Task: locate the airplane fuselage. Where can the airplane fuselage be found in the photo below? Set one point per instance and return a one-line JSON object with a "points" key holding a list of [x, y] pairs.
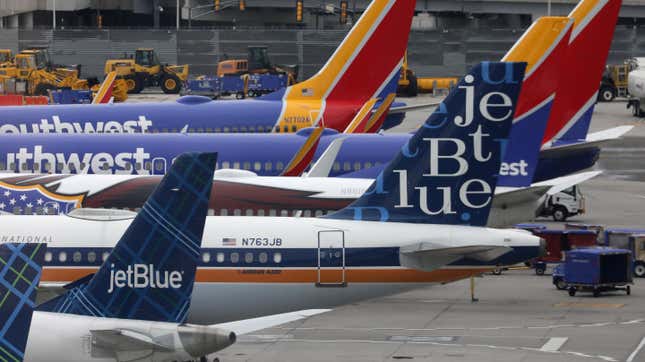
{"points": [[253, 266]]}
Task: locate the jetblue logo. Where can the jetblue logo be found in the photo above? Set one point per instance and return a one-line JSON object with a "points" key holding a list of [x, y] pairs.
{"points": [[56, 125], [514, 168], [139, 276]]}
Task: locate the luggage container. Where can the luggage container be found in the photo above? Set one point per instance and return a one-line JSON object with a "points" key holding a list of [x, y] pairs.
{"points": [[560, 241], [637, 246], [598, 270]]}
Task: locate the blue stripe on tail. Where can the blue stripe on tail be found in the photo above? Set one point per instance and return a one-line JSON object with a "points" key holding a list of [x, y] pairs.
{"points": [[151, 271], [20, 271], [447, 172]]}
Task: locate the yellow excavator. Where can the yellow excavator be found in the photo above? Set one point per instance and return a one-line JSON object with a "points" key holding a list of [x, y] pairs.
{"points": [[145, 70]]}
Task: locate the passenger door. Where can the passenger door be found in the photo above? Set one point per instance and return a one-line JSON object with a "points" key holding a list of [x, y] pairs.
{"points": [[331, 258]]}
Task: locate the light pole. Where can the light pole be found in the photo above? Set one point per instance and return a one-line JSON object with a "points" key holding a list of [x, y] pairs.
{"points": [[54, 16], [178, 14]]}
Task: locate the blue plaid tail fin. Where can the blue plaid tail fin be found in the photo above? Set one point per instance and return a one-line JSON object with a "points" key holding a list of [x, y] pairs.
{"points": [[151, 271], [20, 271]]}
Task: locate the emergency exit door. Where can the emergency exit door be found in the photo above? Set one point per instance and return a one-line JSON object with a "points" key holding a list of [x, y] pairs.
{"points": [[331, 258]]}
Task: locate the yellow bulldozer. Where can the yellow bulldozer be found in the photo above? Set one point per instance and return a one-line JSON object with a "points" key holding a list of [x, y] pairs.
{"points": [[32, 73], [145, 70], [6, 57]]}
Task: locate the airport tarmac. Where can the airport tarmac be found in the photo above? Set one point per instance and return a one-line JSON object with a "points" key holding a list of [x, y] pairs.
{"points": [[519, 316]]}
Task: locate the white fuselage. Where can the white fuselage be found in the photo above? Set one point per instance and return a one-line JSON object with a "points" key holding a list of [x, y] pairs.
{"points": [[253, 266]]}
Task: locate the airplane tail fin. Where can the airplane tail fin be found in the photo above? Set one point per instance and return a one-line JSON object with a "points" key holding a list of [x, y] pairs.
{"points": [[365, 65], [104, 94], [149, 275], [302, 159], [543, 46], [593, 31], [447, 172], [20, 271]]}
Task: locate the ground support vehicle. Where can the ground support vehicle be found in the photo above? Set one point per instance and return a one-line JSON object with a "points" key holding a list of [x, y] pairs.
{"points": [[614, 81], [564, 204], [630, 239], [145, 70], [251, 85], [560, 241], [598, 270], [410, 84]]}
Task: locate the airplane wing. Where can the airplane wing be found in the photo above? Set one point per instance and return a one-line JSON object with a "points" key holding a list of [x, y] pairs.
{"points": [[428, 256], [562, 183], [124, 340], [415, 107], [595, 139], [255, 324]]}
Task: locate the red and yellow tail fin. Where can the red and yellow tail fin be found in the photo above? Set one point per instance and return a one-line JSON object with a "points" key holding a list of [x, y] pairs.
{"points": [[361, 67], [104, 94], [303, 157]]}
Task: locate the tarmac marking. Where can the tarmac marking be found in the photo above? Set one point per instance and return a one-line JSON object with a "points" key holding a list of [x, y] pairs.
{"points": [[554, 344], [589, 305], [638, 349]]}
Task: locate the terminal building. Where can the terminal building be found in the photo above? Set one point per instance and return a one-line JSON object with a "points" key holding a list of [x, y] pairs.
{"points": [[447, 36]]}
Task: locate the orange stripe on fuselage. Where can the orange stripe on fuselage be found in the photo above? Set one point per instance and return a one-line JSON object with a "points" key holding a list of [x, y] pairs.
{"points": [[217, 275]]}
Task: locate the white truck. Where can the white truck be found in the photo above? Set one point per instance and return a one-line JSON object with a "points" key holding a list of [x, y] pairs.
{"points": [[564, 204]]}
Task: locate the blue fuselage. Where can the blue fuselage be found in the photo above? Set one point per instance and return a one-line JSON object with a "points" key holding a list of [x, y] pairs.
{"points": [[264, 154]]}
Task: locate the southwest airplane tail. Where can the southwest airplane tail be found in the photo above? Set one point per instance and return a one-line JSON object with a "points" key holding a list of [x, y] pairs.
{"points": [[149, 275], [19, 277], [352, 77], [462, 143], [591, 36]]}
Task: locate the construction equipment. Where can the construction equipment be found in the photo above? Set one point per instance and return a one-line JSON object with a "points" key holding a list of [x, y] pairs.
{"points": [[32, 73], [6, 57], [258, 62], [145, 70], [410, 84]]}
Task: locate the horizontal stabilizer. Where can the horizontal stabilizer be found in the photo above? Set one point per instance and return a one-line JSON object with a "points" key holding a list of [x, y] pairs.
{"points": [[414, 107], [123, 340], [255, 324], [428, 256], [325, 162], [595, 139], [565, 182]]}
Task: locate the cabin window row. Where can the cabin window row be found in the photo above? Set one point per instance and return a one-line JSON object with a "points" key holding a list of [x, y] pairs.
{"points": [[241, 258], [77, 256], [54, 210], [236, 129]]}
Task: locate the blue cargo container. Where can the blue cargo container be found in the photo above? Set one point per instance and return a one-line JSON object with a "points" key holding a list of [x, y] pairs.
{"points": [[598, 270]]}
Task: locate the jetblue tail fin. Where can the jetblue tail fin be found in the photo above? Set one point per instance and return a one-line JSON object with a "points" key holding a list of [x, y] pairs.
{"points": [[543, 46], [20, 271], [149, 275], [593, 31], [447, 172], [365, 65]]}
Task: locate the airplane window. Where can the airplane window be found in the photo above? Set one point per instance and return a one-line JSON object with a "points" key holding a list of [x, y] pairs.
{"points": [[284, 212], [200, 130], [28, 211], [62, 256], [209, 130], [159, 166], [277, 258], [251, 129], [48, 257], [206, 257], [147, 165], [261, 129], [322, 254], [218, 130], [165, 130], [257, 166], [285, 129], [279, 166], [137, 166], [235, 257], [261, 212], [105, 256], [105, 166], [272, 212], [248, 258], [268, 166], [223, 212], [191, 130], [247, 165], [294, 128], [2, 165], [307, 213], [357, 166], [25, 167], [243, 129], [277, 129], [17, 210], [347, 166], [82, 165], [263, 257], [47, 166], [234, 130], [336, 166], [318, 213], [249, 212], [226, 164], [368, 164], [226, 130], [211, 212], [236, 165], [76, 257], [36, 166], [91, 257], [237, 212], [60, 166], [220, 257], [127, 166]]}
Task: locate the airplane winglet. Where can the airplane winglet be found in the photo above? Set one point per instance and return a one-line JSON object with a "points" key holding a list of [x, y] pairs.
{"points": [[303, 157], [104, 94], [361, 116], [323, 166]]}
